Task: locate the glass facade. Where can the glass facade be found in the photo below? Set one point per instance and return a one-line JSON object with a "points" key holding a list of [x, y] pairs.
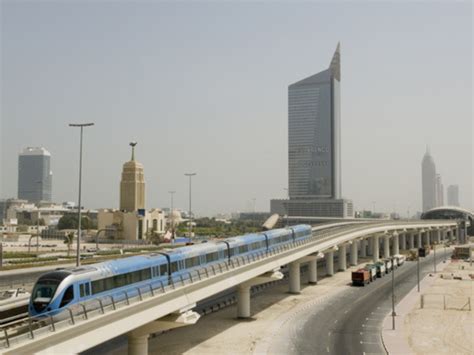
{"points": [[314, 135], [34, 175]]}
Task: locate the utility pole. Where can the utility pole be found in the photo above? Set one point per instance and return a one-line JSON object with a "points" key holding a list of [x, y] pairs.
{"points": [[190, 175], [171, 214], [78, 250], [393, 293], [418, 270]]}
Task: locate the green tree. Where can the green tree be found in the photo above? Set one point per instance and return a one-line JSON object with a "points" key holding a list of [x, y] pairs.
{"points": [[69, 221]]}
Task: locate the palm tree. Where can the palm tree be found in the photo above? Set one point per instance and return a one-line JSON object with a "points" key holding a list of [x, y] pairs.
{"points": [[68, 240]]}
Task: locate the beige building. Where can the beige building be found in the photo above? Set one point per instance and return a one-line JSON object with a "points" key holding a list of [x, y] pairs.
{"points": [[132, 221], [132, 185], [131, 225]]}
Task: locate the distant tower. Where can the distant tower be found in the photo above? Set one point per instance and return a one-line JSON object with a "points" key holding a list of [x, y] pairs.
{"points": [[453, 195], [34, 175], [439, 191], [428, 181], [132, 185], [314, 143]]}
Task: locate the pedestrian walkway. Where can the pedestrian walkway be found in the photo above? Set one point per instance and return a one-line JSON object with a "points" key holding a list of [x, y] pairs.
{"points": [[444, 324]]}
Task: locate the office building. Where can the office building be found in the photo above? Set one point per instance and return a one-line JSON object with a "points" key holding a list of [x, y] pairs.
{"points": [[428, 182], [439, 191], [453, 195], [314, 147], [34, 175]]}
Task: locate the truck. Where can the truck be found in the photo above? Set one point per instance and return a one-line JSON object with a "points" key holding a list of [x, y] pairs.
{"points": [[388, 265], [412, 254], [380, 268], [372, 269], [400, 259], [360, 277], [424, 251]]}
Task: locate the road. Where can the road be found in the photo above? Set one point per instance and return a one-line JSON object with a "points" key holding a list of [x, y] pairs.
{"points": [[350, 323]]}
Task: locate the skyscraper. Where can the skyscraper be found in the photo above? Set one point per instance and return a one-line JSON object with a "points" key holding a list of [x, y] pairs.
{"points": [[453, 195], [132, 185], [439, 191], [428, 182], [314, 147], [34, 175]]}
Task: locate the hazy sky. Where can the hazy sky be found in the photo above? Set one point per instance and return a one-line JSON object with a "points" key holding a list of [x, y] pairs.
{"points": [[203, 87]]}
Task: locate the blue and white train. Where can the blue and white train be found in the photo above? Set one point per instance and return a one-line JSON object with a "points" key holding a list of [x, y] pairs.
{"points": [[62, 288]]}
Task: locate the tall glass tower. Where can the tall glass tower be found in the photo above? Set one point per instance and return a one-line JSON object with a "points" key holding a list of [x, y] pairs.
{"points": [[428, 182], [314, 147], [35, 178]]}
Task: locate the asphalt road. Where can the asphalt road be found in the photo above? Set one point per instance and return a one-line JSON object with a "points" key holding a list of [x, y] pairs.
{"points": [[351, 322]]}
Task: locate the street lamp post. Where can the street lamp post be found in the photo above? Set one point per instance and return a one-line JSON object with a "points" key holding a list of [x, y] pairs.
{"points": [[37, 231], [78, 251], [171, 214], [190, 175], [418, 270], [287, 204], [393, 294]]}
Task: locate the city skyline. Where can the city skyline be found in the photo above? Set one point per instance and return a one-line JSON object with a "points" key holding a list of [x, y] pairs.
{"points": [[138, 91]]}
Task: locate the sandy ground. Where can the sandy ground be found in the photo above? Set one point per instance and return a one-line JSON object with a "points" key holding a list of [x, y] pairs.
{"points": [[444, 325]]}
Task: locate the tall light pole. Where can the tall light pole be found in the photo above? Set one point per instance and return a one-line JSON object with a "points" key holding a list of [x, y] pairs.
{"points": [[418, 270], [393, 293], [78, 251], [287, 204], [190, 175], [171, 214]]}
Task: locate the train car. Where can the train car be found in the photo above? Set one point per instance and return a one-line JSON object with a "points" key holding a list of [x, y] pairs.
{"points": [[63, 288]]}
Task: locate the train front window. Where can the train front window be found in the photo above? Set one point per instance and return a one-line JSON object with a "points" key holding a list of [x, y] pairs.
{"points": [[44, 290]]}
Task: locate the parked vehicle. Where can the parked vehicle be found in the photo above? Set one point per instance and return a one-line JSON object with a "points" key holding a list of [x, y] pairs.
{"points": [[388, 265], [412, 254], [380, 265], [425, 251], [400, 259], [372, 269], [360, 277]]}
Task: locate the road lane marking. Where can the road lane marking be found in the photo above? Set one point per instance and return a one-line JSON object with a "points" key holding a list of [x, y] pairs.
{"points": [[327, 348]]}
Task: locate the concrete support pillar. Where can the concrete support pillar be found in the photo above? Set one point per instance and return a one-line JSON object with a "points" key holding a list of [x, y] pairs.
{"points": [[386, 246], [342, 257], [243, 301], [329, 257], [396, 248], [403, 241], [354, 253], [411, 240], [295, 283], [418, 240], [137, 345], [243, 290], [375, 248], [438, 236], [363, 248], [313, 272], [370, 245]]}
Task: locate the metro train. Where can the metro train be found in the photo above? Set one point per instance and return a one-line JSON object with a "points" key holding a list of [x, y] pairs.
{"points": [[56, 290]]}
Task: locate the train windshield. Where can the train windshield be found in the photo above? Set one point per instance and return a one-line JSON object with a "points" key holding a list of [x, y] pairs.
{"points": [[44, 290]]}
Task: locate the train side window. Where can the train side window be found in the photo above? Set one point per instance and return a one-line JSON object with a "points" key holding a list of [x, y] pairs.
{"points": [[174, 267], [68, 296], [82, 290], [163, 269], [88, 291]]}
